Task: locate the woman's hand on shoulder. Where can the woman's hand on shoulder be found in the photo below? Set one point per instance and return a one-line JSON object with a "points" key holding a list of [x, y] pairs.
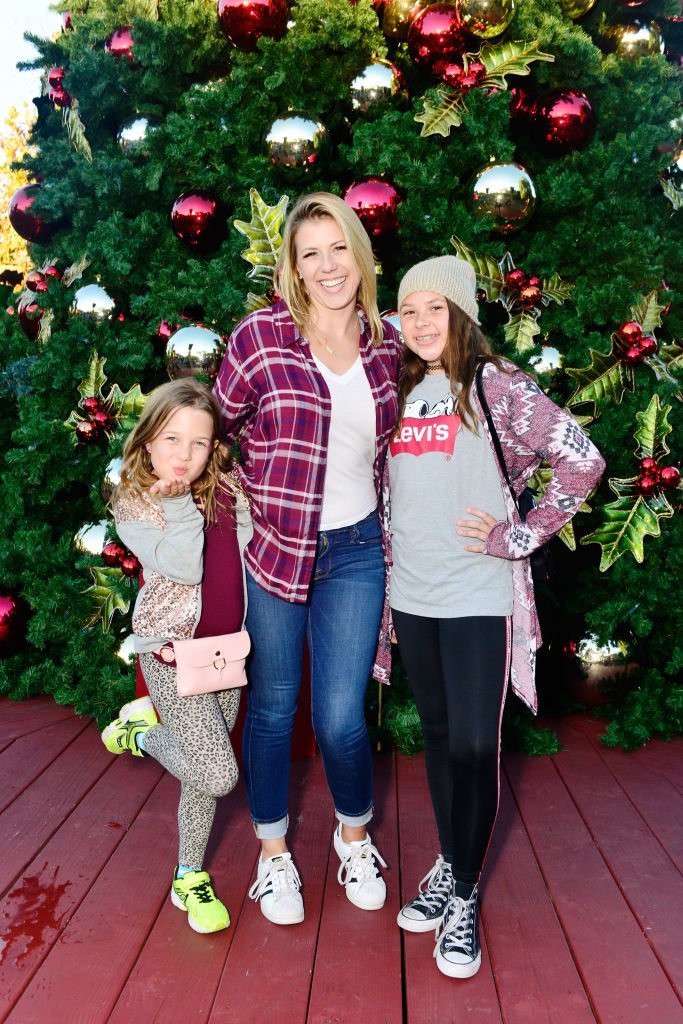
{"points": [[478, 528], [169, 488]]}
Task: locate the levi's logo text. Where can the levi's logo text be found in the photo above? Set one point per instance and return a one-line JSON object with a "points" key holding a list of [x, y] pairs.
{"points": [[427, 428]]}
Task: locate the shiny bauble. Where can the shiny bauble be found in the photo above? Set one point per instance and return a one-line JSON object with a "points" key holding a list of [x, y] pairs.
{"points": [[437, 36], [113, 553], [503, 194], [649, 347], [86, 432], [548, 361], [591, 663], [53, 273], [648, 466], [379, 82], [629, 332], [29, 225], [486, 18], [648, 484], [58, 95], [296, 144], [120, 43], [515, 279], [126, 649], [522, 105], [29, 315], [67, 24], [397, 16], [55, 76], [134, 134], [637, 39], [198, 219], [244, 22], [563, 121], [14, 612], [130, 566], [111, 479], [375, 201], [36, 281], [194, 351], [576, 8], [91, 538], [669, 477], [91, 405], [530, 295], [93, 303]]}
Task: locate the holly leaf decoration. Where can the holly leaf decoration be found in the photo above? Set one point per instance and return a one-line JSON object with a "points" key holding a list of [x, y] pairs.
{"points": [[627, 521], [672, 192], [605, 378], [443, 109], [521, 329], [254, 302], [654, 426], [76, 130], [648, 312], [556, 290], [264, 232], [75, 271], [490, 273], [126, 405], [45, 329], [510, 58], [95, 380], [106, 596]]}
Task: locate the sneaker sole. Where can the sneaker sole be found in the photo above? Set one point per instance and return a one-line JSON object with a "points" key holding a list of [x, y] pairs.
{"points": [[409, 925], [177, 902], [458, 970], [364, 906], [274, 920], [142, 708]]}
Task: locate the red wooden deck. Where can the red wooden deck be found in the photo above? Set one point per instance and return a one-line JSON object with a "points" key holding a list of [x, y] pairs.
{"points": [[582, 903]]}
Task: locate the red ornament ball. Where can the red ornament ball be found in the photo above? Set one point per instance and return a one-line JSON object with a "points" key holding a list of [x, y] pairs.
{"points": [[648, 467], [53, 272], [375, 201], [29, 315], [91, 405], [67, 23], [437, 35], [244, 22], [197, 219], [530, 295], [648, 346], [13, 619], [130, 566], [58, 95], [629, 332], [120, 43], [515, 278], [669, 476], [35, 281], [26, 223], [563, 120], [113, 554], [55, 76], [86, 432], [102, 419], [648, 484], [633, 355], [450, 72]]}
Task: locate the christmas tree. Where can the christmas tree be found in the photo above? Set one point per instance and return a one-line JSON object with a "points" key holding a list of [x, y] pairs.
{"points": [[539, 139]]}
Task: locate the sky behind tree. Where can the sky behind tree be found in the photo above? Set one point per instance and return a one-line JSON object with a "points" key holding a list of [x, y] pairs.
{"points": [[19, 16]]}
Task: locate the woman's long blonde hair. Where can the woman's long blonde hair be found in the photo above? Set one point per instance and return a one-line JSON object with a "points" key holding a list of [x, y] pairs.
{"points": [[136, 470], [287, 281], [466, 346]]}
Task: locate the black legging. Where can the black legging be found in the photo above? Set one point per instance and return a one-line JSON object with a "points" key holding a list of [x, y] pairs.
{"points": [[458, 673]]}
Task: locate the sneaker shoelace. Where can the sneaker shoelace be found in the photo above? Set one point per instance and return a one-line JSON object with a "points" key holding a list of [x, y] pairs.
{"points": [[457, 930], [359, 864], [278, 880], [203, 892], [434, 888]]}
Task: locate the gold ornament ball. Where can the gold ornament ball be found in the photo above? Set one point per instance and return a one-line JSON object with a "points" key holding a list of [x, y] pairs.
{"points": [[504, 195], [549, 360], [379, 82], [110, 480], [637, 39], [397, 17], [576, 8], [194, 351], [592, 664], [486, 18], [126, 649], [92, 302], [296, 142], [91, 538]]}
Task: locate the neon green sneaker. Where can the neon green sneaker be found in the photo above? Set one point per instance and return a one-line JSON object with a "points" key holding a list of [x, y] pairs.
{"points": [[120, 736], [194, 894], [139, 710]]}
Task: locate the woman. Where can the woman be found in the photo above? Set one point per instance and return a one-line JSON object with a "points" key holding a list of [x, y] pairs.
{"points": [[461, 593], [308, 387]]}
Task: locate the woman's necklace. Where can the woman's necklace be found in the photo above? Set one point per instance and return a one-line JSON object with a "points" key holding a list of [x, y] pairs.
{"points": [[435, 367]]}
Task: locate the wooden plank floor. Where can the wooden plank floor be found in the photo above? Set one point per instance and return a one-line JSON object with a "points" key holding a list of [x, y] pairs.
{"points": [[582, 904]]}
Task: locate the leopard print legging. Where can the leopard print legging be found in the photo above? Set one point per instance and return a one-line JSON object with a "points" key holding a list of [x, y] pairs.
{"points": [[193, 743]]}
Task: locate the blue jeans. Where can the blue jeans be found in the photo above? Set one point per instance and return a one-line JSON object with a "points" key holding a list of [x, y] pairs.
{"points": [[341, 621]]}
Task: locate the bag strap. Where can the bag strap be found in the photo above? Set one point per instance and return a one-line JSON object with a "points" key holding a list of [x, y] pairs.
{"points": [[492, 430]]}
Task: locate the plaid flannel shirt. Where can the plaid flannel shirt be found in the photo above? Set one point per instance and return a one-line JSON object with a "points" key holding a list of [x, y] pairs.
{"points": [[277, 406]]}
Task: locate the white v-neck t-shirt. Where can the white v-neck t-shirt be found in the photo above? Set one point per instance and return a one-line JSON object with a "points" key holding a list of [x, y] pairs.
{"points": [[349, 492]]}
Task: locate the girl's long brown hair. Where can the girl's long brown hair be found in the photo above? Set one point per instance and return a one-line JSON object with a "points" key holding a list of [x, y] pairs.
{"points": [[136, 470], [466, 346]]}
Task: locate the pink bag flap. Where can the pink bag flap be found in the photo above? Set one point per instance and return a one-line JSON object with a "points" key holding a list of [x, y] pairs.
{"points": [[204, 651]]}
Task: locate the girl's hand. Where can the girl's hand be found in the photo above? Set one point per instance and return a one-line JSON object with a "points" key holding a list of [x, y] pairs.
{"points": [[478, 528], [169, 488]]}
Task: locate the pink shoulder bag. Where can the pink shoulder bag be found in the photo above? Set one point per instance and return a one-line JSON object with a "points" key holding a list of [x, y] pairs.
{"points": [[211, 663]]}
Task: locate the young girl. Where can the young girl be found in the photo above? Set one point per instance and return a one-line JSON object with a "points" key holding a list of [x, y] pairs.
{"points": [[179, 509], [461, 593]]}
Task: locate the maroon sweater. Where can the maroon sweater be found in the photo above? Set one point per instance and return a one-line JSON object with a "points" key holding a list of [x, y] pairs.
{"points": [[222, 584]]}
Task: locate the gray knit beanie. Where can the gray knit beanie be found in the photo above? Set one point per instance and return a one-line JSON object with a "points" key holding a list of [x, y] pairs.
{"points": [[445, 275]]}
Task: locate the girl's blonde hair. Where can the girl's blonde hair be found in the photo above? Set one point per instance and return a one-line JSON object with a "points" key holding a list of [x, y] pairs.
{"points": [[136, 470], [466, 347], [287, 281]]}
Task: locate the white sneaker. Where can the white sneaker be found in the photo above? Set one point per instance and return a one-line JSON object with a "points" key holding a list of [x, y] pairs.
{"points": [[457, 950], [358, 872], [277, 887], [425, 912]]}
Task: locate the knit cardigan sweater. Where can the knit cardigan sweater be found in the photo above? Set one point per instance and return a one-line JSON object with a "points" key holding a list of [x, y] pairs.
{"points": [[531, 429]]}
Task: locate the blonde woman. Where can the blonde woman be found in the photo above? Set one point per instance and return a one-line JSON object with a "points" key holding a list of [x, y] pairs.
{"points": [[308, 387]]}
